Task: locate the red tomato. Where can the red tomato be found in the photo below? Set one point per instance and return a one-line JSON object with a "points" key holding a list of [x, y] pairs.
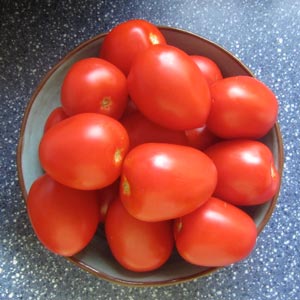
{"points": [[169, 89], [242, 107], [200, 138], [64, 219], [141, 130], [94, 85], [55, 116], [246, 172], [216, 234], [164, 181], [138, 246], [208, 67], [85, 151], [126, 40]]}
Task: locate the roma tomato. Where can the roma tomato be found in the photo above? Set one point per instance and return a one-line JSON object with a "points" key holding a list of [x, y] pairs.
{"points": [[164, 181], [216, 234], [169, 89], [242, 107], [126, 40], [55, 116], [85, 151], [246, 171], [141, 130], [94, 85], [138, 246], [208, 67], [64, 219]]}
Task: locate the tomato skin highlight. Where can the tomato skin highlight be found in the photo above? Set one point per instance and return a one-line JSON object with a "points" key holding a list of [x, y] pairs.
{"points": [[89, 151], [64, 219], [216, 234], [247, 174], [242, 107], [164, 181], [126, 40], [169, 89], [137, 245], [94, 85]]}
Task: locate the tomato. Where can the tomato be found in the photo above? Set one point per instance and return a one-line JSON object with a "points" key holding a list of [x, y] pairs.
{"points": [[141, 130], [164, 181], [169, 89], [208, 67], [85, 151], [242, 107], [216, 234], [137, 245], [200, 138], [55, 116], [94, 85], [64, 219], [246, 171], [126, 40]]}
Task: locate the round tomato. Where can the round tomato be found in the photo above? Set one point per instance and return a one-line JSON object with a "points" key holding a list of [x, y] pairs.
{"points": [[164, 181], [201, 137], [94, 85], [246, 171], [242, 107], [208, 67], [64, 219], [137, 245], [126, 40], [57, 115], [141, 130], [84, 151], [216, 234], [169, 89]]}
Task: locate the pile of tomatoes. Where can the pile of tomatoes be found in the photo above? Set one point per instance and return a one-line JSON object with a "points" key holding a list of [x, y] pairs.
{"points": [[160, 148]]}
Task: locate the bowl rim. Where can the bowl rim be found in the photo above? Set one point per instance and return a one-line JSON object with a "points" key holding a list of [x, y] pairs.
{"points": [[75, 260]]}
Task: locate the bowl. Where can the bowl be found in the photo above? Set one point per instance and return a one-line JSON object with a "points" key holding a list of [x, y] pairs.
{"points": [[96, 257]]}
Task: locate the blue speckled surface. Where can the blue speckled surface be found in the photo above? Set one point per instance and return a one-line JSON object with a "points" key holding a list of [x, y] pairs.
{"points": [[35, 35]]}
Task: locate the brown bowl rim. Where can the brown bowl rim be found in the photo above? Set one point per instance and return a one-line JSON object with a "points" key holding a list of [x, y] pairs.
{"points": [[76, 261]]}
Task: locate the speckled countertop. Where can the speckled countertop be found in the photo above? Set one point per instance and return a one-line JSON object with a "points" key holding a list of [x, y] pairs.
{"points": [[35, 35]]}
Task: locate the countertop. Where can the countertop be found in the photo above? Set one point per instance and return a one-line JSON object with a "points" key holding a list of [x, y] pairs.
{"points": [[35, 35]]}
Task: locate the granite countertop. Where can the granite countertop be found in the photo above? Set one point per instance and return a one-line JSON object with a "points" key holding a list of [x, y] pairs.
{"points": [[35, 35]]}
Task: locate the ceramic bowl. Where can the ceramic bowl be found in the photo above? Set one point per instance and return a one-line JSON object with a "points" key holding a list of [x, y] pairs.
{"points": [[96, 257]]}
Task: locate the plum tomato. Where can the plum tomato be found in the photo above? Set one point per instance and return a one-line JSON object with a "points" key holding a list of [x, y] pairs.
{"points": [[94, 85], [141, 130], [169, 89], [126, 40], [57, 115], [85, 151], [208, 67], [242, 107], [216, 234], [64, 219], [164, 181], [137, 245], [247, 174]]}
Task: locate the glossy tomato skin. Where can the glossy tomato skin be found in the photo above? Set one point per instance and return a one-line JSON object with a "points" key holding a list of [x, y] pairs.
{"points": [[137, 245], [242, 107], [216, 234], [164, 181], [57, 115], [247, 174], [126, 40], [141, 130], [208, 67], [64, 219], [169, 89], [85, 151], [94, 85]]}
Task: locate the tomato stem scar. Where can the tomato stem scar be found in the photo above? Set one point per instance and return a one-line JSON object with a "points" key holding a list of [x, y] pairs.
{"points": [[118, 157], [126, 186], [106, 103]]}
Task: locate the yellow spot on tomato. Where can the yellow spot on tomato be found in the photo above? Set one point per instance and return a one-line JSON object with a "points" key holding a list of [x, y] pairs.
{"points": [[126, 187], [153, 39]]}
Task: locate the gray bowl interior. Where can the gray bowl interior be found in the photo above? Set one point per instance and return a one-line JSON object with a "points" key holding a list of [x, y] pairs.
{"points": [[96, 257]]}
